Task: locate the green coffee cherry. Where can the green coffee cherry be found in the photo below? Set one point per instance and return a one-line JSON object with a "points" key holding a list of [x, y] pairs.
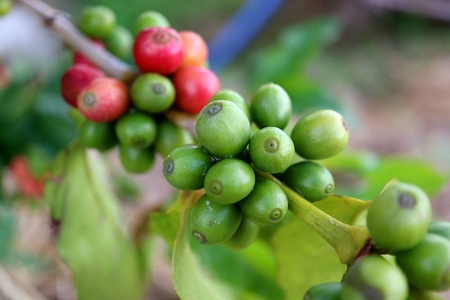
{"points": [[150, 19], [320, 134], [153, 93], [97, 21], [372, 277], [272, 150], [271, 106], [311, 180], [136, 160], [223, 129], [427, 265], [399, 217], [100, 136], [212, 223], [229, 181], [77, 117], [267, 203], [170, 137], [186, 166], [325, 291], [440, 228], [119, 42], [5, 6], [136, 130], [234, 97], [245, 235]]}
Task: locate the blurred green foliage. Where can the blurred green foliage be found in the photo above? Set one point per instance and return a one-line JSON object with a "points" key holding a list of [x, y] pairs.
{"points": [[178, 12], [286, 62], [34, 119]]}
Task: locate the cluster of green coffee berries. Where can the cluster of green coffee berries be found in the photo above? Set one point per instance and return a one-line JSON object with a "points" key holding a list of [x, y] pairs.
{"points": [[173, 74], [418, 251], [236, 201]]}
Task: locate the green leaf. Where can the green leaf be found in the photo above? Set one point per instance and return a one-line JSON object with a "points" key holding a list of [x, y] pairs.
{"points": [[91, 241], [296, 46], [189, 277], [305, 259], [167, 224], [373, 173], [216, 272]]}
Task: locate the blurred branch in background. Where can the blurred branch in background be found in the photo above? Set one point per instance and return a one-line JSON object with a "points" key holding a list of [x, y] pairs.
{"points": [[437, 9], [56, 21]]}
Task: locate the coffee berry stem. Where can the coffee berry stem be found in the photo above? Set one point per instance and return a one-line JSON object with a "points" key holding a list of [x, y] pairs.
{"points": [[57, 22], [346, 240]]}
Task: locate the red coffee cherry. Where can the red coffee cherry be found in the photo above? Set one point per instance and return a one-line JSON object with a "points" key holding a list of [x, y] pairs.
{"points": [[75, 79], [158, 50], [103, 100], [79, 58], [194, 86], [195, 49]]}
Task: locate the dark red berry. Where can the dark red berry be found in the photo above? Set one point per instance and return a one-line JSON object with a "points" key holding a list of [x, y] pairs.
{"points": [[103, 100], [194, 86], [158, 50], [75, 79], [79, 58]]}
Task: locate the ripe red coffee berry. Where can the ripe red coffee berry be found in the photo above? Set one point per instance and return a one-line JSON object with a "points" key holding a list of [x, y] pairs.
{"points": [[103, 100], [194, 86], [79, 58], [195, 49], [158, 50], [75, 79]]}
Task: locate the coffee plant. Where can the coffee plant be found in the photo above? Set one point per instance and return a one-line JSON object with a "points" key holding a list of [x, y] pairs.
{"points": [[244, 178]]}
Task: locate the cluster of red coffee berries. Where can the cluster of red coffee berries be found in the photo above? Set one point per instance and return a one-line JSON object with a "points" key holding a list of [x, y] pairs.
{"points": [[173, 73]]}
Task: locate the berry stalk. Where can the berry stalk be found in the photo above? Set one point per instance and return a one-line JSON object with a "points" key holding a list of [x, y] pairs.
{"points": [[346, 240], [57, 22]]}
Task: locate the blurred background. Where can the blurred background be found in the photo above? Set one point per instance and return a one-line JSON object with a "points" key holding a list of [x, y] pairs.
{"points": [[383, 64]]}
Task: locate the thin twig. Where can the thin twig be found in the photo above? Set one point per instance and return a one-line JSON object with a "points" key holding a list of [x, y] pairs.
{"points": [[57, 22], [182, 119]]}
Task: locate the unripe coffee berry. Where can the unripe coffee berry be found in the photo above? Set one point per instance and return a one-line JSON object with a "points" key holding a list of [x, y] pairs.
{"points": [[136, 160], [158, 50], [75, 79], [311, 180], [212, 223], [136, 130], [153, 93], [427, 265], [320, 134], [399, 217], [150, 19], [97, 21], [170, 137], [186, 166], [271, 106], [103, 100], [271, 150], [234, 97], [441, 228], [5, 7], [194, 87], [229, 181], [245, 235], [119, 42], [100, 136], [267, 204], [373, 277], [223, 129], [325, 291]]}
